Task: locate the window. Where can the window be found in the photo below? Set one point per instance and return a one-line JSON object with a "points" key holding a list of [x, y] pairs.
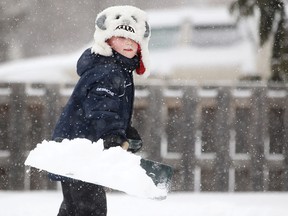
{"points": [[164, 37], [214, 35]]}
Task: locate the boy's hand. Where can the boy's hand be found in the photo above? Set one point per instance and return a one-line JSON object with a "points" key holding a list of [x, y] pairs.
{"points": [[135, 145], [125, 145], [134, 139], [114, 140]]}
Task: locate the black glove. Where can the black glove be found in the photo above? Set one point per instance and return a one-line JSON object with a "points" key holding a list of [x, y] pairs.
{"points": [[113, 141], [134, 139]]}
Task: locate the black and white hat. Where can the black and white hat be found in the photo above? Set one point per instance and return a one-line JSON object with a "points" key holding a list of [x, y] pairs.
{"points": [[123, 21]]}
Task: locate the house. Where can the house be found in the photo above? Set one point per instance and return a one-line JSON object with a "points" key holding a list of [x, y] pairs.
{"points": [[194, 43], [202, 44]]}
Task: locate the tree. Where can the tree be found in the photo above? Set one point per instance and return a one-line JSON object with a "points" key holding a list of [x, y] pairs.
{"points": [[272, 23]]}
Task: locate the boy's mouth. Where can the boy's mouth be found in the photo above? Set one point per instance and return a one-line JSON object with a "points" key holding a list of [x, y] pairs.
{"points": [[126, 28], [128, 50]]}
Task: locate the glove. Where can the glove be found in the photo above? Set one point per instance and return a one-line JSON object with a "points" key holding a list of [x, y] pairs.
{"points": [[134, 139], [115, 140]]}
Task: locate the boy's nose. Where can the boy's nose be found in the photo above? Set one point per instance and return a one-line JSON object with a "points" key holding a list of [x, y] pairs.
{"points": [[129, 41]]}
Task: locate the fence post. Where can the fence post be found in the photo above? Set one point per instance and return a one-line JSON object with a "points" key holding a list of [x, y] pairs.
{"points": [[285, 150], [50, 103], [17, 137], [52, 109], [256, 138], [222, 164], [190, 101], [155, 122]]}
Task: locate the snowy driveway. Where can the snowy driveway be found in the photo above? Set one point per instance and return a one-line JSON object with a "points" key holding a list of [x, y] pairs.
{"points": [[177, 204]]}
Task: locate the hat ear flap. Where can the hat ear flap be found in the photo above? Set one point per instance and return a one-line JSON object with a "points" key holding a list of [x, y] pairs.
{"points": [[100, 22], [147, 31], [141, 69]]}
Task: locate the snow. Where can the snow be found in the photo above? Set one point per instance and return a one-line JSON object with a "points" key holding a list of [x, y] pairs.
{"points": [[177, 204], [81, 159], [46, 203], [203, 93], [277, 94], [243, 93], [164, 63], [47, 69]]}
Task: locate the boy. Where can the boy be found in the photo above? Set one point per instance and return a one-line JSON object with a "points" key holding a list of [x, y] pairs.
{"points": [[101, 104]]}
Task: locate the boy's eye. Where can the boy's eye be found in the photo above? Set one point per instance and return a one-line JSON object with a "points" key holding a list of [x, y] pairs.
{"points": [[117, 16]]}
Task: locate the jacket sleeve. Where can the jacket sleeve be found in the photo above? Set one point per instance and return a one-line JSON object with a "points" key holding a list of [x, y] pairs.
{"points": [[102, 107]]}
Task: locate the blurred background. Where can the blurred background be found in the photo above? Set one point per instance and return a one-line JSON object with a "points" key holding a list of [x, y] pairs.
{"points": [[217, 39], [217, 90]]}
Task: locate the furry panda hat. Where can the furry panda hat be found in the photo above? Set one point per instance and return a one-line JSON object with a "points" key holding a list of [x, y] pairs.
{"points": [[123, 21]]}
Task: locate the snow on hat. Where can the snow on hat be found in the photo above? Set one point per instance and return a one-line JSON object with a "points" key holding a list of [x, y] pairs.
{"points": [[123, 21]]}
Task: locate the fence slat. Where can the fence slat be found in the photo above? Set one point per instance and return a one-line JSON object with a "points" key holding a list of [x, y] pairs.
{"points": [[222, 140], [154, 122], [17, 138], [259, 109], [189, 129], [285, 148]]}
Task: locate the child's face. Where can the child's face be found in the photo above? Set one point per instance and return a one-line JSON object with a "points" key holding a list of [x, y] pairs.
{"points": [[124, 46]]}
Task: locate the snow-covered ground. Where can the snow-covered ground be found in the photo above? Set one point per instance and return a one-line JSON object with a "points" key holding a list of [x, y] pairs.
{"points": [[177, 204]]}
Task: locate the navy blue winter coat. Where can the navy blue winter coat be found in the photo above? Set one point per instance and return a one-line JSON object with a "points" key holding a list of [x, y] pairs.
{"points": [[102, 101]]}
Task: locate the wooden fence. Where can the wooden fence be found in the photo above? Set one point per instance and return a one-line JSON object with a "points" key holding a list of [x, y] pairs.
{"points": [[217, 137]]}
